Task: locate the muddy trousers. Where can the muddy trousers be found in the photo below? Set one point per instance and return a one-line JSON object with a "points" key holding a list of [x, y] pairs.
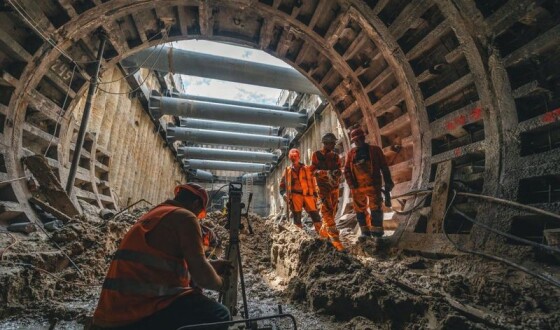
{"points": [[329, 206], [363, 198], [309, 204]]}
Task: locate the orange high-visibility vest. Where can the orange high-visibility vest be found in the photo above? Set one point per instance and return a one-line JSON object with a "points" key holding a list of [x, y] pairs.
{"points": [[141, 279], [305, 178]]}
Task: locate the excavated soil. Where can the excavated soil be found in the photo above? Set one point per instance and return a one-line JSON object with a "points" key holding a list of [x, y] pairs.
{"points": [[285, 268]]}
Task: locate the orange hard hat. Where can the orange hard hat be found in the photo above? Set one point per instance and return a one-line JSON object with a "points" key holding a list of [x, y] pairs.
{"points": [[198, 191], [356, 134], [293, 155]]}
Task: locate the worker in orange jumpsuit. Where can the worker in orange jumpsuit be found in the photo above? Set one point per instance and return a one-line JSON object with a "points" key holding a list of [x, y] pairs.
{"points": [[363, 168], [325, 165], [297, 187]]}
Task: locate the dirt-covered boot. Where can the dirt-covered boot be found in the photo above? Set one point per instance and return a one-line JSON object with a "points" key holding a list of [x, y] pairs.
{"points": [[297, 219]]}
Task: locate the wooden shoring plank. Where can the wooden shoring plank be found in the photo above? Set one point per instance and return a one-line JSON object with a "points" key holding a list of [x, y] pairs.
{"points": [[440, 196], [205, 18], [379, 79], [429, 41], [450, 90], [413, 10], [537, 45], [320, 10], [266, 32], [49, 185], [508, 14]]}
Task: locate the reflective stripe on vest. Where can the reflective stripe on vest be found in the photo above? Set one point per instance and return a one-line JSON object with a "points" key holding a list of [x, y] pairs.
{"points": [[305, 178], [141, 288], [151, 261]]}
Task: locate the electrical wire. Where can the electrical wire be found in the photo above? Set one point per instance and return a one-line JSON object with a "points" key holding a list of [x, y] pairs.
{"points": [[418, 205], [12, 180], [60, 113], [100, 82], [143, 81], [510, 203], [545, 278], [513, 237]]}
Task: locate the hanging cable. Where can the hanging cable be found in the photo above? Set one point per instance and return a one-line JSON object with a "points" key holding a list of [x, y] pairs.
{"points": [[100, 82], [143, 81], [504, 234], [545, 278], [60, 113], [510, 203]]}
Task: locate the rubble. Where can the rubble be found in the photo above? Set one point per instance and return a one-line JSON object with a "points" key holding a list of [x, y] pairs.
{"points": [[283, 265]]}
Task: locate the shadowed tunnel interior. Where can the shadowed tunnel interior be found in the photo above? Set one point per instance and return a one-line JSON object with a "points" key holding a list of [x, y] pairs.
{"points": [[471, 83]]}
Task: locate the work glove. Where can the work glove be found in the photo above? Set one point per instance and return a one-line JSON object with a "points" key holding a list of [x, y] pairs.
{"points": [[336, 173]]}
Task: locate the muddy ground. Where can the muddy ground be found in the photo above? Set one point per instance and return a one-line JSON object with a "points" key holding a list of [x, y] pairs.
{"points": [[369, 288]]}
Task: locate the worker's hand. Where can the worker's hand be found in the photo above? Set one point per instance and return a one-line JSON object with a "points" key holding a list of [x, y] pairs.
{"points": [[222, 267], [336, 173]]}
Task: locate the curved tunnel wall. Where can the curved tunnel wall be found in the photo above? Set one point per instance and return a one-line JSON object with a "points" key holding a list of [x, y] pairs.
{"points": [[469, 81]]}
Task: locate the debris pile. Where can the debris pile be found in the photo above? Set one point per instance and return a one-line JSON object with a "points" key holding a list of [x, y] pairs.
{"points": [[283, 265], [38, 277]]}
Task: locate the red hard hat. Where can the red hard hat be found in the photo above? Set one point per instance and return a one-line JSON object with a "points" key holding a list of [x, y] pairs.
{"points": [[293, 154], [198, 191], [357, 134]]}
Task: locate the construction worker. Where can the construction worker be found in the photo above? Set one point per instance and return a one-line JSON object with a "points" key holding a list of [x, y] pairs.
{"points": [[151, 280], [325, 165], [297, 187], [363, 168]]}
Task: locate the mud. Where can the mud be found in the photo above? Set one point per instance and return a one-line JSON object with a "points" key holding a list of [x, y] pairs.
{"points": [[285, 268]]}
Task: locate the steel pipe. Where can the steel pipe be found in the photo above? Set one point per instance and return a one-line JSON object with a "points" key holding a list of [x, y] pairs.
{"points": [[85, 115], [228, 155], [225, 166], [160, 105], [201, 175], [203, 136], [228, 126], [218, 67], [216, 100]]}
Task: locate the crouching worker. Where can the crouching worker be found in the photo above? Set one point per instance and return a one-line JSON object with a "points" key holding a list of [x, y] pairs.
{"points": [[156, 277], [297, 187]]}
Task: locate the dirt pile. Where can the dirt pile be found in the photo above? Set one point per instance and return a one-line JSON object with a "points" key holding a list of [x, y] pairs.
{"points": [[37, 277], [400, 291]]}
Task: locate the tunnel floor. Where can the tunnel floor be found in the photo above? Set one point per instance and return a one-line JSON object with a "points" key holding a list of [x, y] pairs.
{"points": [[369, 288]]}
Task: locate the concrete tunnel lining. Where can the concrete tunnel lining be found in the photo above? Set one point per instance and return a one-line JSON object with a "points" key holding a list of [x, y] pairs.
{"points": [[359, 99]]}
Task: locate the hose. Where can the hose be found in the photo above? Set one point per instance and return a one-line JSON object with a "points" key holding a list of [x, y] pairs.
{"points": [[513, 237], [545, 278], [510, 203]]}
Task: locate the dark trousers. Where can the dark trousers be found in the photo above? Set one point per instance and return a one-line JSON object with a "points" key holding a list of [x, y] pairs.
{"points": [[187, 310]]}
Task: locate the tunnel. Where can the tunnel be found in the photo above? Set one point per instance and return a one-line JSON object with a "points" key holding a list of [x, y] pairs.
{"points": [[467, 90]]}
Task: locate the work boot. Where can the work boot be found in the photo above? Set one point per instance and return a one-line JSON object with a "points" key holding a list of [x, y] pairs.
{"points": [[297, 220], [377, 223], [365, 233], [337, 245], [317, 226]]}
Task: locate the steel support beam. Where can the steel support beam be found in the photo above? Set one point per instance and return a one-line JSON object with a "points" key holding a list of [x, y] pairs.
{"points": [[218, 67], [228, 126], [203, 136], [160, 105], [229, 155], [85, 115], [224, 101], [225, 166]]}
